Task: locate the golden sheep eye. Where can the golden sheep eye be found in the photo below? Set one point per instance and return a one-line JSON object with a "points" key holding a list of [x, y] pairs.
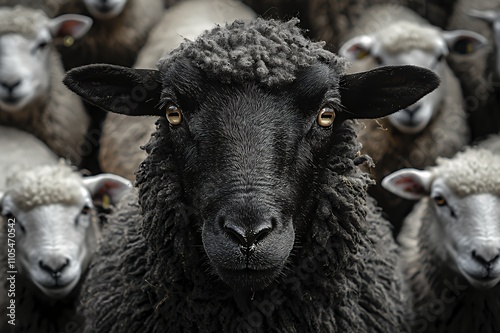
{"points": [[173, 114], [439, 200], [326, 117]]}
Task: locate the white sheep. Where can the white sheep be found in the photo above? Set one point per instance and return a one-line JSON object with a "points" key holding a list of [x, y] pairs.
{"points": [[122, 136], [49, 218], [451, 242], [434, 126], [32, 96], [120, 30], [23, 148]]}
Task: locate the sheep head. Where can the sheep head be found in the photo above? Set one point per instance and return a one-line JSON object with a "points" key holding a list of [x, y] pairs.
{"points": [[249, 153], [26, 38], [409, 43], [53, 212], [461, 198]]}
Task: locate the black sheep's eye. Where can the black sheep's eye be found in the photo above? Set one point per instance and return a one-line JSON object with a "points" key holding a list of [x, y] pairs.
{"points": [[85, 210], [326, 116], [439, 200], [173, 114], [9, 216]]}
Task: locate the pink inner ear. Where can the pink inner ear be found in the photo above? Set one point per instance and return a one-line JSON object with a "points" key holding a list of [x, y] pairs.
{"points": [[68, 28], [409, 185], [108, 185]]}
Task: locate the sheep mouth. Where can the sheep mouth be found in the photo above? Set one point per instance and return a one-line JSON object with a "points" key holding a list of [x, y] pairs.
{"points": [[482, 281], [55, 289], [11, 100], [105, 8]]}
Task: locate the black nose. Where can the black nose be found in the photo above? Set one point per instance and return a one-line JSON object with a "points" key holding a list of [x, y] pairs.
{"points": [[486, 259], [10, 85], [412, 110], [246, 235], [54, 267]]}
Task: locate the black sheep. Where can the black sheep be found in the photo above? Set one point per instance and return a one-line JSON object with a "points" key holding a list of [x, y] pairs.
{"points": [[252, 213]]}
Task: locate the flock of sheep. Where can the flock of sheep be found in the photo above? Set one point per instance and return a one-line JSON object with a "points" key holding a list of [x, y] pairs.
{"points": [[255, 173]]}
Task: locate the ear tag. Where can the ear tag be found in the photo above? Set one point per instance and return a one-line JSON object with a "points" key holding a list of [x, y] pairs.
{"points": [[106, 202], [68, 41]]}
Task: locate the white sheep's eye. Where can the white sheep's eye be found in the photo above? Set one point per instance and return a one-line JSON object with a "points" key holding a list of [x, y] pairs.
{"points": [[85, 210], [439, 200], [173, 114], [326, 117], [42, 45]]}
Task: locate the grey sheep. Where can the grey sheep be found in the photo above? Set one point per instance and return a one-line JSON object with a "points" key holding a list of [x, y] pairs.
{"points": [[32, 96], [434, 126], [123, 136], [450, 242], [252, 212]]}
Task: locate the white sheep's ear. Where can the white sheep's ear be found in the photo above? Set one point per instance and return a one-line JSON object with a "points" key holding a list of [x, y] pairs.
{"points": [[106, 189], [70, 25], [408, 183], [123, 90], [384, 90], [357, 48], [488, 16], [464, 41]]}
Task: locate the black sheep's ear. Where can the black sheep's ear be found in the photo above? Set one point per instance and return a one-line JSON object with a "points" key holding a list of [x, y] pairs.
{"points": [[384, 90], [133, 92]]}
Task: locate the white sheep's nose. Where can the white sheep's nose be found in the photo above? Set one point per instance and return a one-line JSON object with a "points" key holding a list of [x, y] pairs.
{"points": [[10, 85], [54, 266], [487, 256]]}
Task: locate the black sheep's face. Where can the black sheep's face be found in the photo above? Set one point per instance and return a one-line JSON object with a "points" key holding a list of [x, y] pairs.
{"points": [[248, 155]]}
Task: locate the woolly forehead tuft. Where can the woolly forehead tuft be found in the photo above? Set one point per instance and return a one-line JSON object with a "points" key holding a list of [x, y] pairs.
{"points": [[269, 52], [24, 21], [44, 185], [473, 171]]}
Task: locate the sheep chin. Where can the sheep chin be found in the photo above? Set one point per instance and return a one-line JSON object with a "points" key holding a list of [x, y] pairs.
{"points": [[485, 283], [248, 279], [58, 293]]}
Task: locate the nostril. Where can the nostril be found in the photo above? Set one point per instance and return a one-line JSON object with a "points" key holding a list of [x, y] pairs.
{"points": [[247, 237], [10, 85], [412, 110], [484, 261], [55, 272], [261, 234], [235, 233]]}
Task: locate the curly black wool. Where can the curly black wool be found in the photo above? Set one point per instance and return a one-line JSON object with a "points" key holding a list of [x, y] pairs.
{"points": [[267, 51], [151, 276]]}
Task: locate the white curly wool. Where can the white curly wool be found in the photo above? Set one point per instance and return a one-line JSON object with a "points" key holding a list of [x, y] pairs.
{"points": [[465, 174], [45, 185]]}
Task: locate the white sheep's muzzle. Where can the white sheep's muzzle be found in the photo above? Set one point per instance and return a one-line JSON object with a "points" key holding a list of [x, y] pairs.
{"points": [[105, 9], [415, 118]]}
